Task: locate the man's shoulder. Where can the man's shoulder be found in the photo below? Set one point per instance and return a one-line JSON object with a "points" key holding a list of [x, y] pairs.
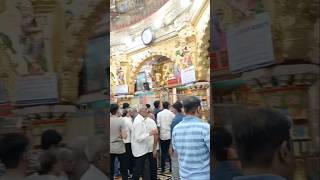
{"points": [[160, 112], [138, 119], [179, 126], [93, 173], [187, 125], [149, 120], [178, 117]]}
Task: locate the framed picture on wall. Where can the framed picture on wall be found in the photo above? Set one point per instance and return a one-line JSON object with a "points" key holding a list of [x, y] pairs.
{"points": [[94, 77], [141, 80]]}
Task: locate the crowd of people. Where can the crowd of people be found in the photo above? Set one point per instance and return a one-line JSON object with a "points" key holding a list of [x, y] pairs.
{"points": [[83, 158], [140, 135], [257, 146]]}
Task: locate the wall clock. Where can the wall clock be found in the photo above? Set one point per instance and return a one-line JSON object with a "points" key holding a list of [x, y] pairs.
{"points": [[147, 36]]}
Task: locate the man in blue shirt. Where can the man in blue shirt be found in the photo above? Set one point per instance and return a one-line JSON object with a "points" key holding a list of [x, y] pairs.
{"points": [[191, 140], [264, 145], [177, 110], [156, 109]]}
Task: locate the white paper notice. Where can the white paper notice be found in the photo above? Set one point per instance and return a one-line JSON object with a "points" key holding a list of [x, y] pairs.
{"points": [[250, 44], [40, 87], [122, 89], [188, 75]]}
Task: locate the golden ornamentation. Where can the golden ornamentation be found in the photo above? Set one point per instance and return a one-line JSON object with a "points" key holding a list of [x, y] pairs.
{"points": [[70, 76], [203, 59], [8, 75]]}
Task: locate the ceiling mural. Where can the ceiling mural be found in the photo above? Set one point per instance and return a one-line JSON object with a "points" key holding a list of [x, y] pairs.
{"points": [[125, 13]]}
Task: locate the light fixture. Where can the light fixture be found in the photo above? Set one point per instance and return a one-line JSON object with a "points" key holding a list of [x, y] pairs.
{"points": [[185, 3], [157, 24]]}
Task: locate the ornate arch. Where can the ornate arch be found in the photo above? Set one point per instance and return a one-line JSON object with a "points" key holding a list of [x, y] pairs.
{"points": [[148, 58]]}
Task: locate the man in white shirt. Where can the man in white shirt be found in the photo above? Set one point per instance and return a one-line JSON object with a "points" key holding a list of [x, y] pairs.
{"points": [[153, 147], [164, 120], [140, 141], [118, 132], [129, 125]]}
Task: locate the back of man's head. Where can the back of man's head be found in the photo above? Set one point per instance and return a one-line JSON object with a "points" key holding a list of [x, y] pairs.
{"points": [[191, 104], [50, 138], [166, 105], [114, 109], [12, 148], [178, 106], [125, 105], [262, 137], [65, 154], [156, 104], [142, 110]]}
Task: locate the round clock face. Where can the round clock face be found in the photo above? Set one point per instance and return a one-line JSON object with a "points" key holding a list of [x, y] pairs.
{"points": [[147, 36]]}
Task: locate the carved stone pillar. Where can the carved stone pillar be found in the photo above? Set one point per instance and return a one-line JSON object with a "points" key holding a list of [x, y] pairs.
{"points": [[69, 81]]}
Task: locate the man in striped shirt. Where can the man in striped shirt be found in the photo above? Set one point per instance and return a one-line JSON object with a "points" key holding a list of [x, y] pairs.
{"points": [[191, 141]]}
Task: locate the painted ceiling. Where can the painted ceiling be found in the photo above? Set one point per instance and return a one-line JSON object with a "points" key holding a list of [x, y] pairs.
{"points": [[125, 13]]}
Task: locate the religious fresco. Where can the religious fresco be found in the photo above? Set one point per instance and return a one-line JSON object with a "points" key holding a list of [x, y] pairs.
{"points": [[120, 76], [32, 39], [128, 12], [6, 46]]}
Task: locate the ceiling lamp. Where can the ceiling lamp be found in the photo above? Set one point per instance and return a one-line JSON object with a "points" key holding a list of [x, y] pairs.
{"points": [[185, 3], [157, 24]]}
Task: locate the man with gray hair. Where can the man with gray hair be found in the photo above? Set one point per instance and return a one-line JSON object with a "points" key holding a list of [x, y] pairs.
{"points": [[139, 140], [85, 159], [97, 153], [66, 160]]}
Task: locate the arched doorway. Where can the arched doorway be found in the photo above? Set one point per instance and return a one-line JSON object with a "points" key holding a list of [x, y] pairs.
{"points": [[151, 80], [156, 61]]}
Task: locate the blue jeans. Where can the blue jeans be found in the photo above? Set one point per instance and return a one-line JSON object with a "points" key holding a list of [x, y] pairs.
{"points": [[116, 167]]}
